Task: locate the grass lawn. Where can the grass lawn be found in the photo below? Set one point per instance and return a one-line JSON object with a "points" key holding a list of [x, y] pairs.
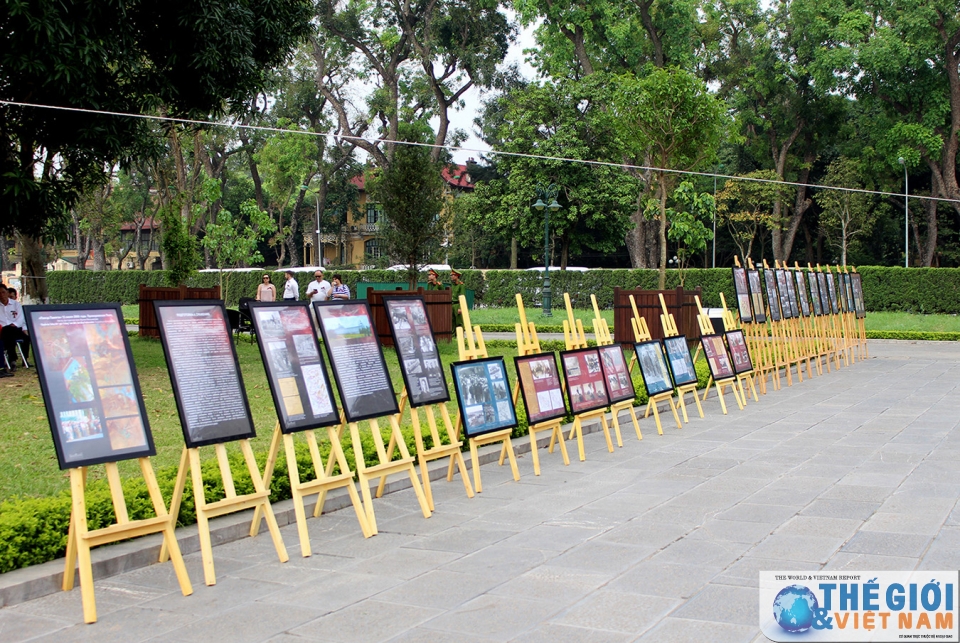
{"points": [[910, 321]]}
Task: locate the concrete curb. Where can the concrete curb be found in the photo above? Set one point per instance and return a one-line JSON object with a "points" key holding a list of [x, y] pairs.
{"points": [[26, 584]]}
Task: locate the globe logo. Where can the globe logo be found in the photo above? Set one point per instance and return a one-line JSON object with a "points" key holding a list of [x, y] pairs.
{"points": [[793, 608]]}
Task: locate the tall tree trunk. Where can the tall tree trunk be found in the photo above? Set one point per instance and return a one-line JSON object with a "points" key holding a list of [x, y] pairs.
{"points": [[33, 271], [662, 282], [513, 252]]}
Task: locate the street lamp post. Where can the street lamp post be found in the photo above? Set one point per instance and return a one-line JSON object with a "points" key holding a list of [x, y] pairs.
{"points": [[906, 215], [544, 195]]}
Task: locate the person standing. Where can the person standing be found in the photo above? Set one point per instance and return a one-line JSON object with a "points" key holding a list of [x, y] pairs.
{"points": [[458, 288], [291, 289], [13, 327], [266, 291], [319, 289], [433, 282], [340, 290]]}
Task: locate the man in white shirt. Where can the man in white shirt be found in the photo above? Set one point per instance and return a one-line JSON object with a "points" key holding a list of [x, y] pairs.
{"points": [[291, 289], [319, 289], [13, 326]]}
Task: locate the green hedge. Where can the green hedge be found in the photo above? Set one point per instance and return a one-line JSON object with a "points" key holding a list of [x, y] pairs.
{"points": [[916, 335]]}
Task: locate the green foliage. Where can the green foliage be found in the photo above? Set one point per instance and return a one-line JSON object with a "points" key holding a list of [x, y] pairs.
{"points": [[914, 335], [916, 290], [234, 241], [687, 229], [179, 247]]}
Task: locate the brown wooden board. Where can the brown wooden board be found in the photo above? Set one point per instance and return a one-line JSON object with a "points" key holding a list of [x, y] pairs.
{"points": [[148, 294], [680, 303], [439, 312]]}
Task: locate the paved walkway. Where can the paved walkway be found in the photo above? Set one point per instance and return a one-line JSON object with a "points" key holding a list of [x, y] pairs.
{"points": [[659, 541]]}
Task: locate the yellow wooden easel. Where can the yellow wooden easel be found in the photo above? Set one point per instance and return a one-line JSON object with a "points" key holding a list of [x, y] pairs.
{"points": [[706, 328], [730, 323], [232, 503], [470, 346], [601, 330], [641, 332], [861, 322], [669, 325], [80, 540], [323, 482]]}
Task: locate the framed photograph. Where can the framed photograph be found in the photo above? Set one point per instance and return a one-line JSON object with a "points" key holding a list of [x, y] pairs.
{"points": [[845, 306], [483, 395], [417, 351], [359, 369], [681, 364], [783, 282], [615, 373], [541, 387], [739, 351], [204, 372], [815, 299], [824, 297], [716, 352], [89, 384], [848, 288], [743, 294], [653, 367], [295, 368], [832, 292], [802, 293], [586, 386], [773, 299], [756, 296], [792, 294], [857, 284]]}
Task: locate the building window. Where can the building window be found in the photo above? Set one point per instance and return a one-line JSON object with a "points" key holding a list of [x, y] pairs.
{"points": [[372, 248], [374, 213]]}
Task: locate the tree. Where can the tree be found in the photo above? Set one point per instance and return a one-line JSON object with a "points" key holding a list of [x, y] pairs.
{"points": [[687, 228], [671, 118], [410, 189], [844, 214], [233, 241], [746, 207], [191, 58]]}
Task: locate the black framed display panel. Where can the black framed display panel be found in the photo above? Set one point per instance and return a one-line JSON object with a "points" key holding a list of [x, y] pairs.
{"points": [[742, 293], [848, 288], [815, 298], [541, 387], [739, 352], [616, 374], [359, 368], [802, 293], [89, 384], [832, 292], [204, 371], [773, 298], [653, 367], [417, 351], [296, 371], [483, 396], [583, 377], [824, 297], [756, 296], [681, 365], [792, 293], [786, 310], [856, 282], [715, 350]]}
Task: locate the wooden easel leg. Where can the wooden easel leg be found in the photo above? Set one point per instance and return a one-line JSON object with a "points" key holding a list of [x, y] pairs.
{"points": [[70, 566], [673, 409], [411, 470], [706, 390], [203, 526], [578, 430], [475, 462], [558, 435], [513, 459], [533, 453], [268, 475], [723, 404], [337, 454], [683, 405], [464, 476], [178, 487], [616, 426], [390, 447], [83, 548], [294, 473], [636, 423], [169, 532], [267, 507], [362, 478]]}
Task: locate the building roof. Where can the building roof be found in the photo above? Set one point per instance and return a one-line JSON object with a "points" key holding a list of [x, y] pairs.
{"points": [[455, 176], [148, 224]]}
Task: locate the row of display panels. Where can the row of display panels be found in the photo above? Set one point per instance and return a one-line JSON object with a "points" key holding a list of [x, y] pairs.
{"points": [[97, 414], [787, 296]]}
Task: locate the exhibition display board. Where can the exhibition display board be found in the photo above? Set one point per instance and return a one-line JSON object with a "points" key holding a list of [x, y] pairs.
{"points": [[483, 395], [802, 293], [656, 377], [743, 294], [756, 296], [773, 298], [584, 380], [619, 383], [721, 368], [678, 357], [541, 387]]}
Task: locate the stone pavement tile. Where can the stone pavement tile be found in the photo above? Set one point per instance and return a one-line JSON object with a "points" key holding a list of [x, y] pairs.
{"points": [[671, 580], [499, 617], [550, 583], [355, 545], [365, 622], [819, 526], [500, 562], [917, 489], [733, 530], [659, 484], [816, 469], [514, 517], [722, 603], [716, 500], [413, 524], [850, 509], [440, 589], [407, 564], [630, 504], [689, 551], [555, 537], [890, 480], [856, 493], [746, 571], [593, 516], [226, 595], [554, 633], [887, 544], [459, 539], [111, 595], [603, 557], [337, 590], [288, 573], [423, 635], [941, 556], [690, 515], [129, 625], [848, 561], [909, 504], [734, 482], [618, 612], [162, 577], [817, 549], [16, 626], [792, 491], [749, 512], [682, 630], [903, 523], [251, 623], [643, 532]]}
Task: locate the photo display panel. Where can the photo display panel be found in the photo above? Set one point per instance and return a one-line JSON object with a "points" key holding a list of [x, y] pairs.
{"points": [[359, 369], [824, 298], [204, 371], [89, 384], [681, 364], [773, 299], [584, 378], [483, 394], [802, 293], [848, 288], [815, 293], [541, 387], [792, 294], [653, 367], [743, 294], [717, 358], [786, 310], [617, 377], [857, 285], [295, 369], [832, 292], [756, 296], [416, 350], [739, 351]]}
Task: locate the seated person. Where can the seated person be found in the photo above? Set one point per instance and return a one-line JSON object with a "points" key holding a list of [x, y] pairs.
{"points": [[13, 327]]}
